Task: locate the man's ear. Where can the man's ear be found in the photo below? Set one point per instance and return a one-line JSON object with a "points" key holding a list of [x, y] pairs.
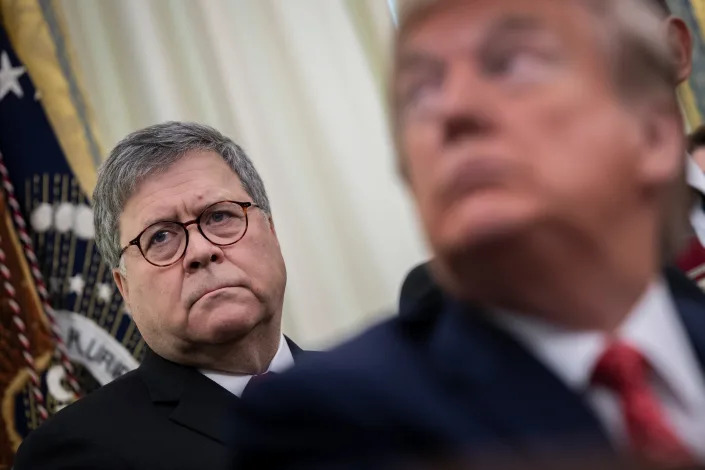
{"points": [[122, 286], [681, 43], [664, 149]]}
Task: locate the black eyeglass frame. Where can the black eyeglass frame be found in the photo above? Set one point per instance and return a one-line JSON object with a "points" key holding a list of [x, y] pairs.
{"points": [[184, 225]]}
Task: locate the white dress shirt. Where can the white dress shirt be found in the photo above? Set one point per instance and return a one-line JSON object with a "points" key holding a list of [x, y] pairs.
{"points": [[696, 180], [236, 383], [655, 329]]}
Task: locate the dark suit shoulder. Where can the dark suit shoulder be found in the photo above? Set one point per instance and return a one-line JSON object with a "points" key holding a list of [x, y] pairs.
{"points": [[391, 346], [407, 333], [352, 389], [380, 347], [81, 435], [105, 405]]}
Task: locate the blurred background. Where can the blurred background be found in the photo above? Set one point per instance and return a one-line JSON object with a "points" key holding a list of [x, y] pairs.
{"points": [[300, 84]]}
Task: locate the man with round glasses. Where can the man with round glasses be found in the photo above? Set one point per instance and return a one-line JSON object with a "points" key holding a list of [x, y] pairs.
{"points": [[164, 243], [183, 219]]}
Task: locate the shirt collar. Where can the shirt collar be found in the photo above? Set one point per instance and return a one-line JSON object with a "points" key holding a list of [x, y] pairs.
{"points": [[236, 383], [653, 327], [694, 175]]}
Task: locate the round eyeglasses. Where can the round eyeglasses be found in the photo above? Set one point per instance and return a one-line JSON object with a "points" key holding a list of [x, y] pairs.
{"points": [[164, 243]]}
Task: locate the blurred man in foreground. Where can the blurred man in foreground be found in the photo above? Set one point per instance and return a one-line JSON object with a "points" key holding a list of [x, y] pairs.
{"points": [[182, 217], [543, 145]]}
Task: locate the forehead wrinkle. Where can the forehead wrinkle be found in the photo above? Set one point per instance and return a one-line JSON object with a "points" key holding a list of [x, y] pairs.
{"points": [[516, 23], [414, 56], [489, 14], [500, 17], [511, 29], [184, 210]]}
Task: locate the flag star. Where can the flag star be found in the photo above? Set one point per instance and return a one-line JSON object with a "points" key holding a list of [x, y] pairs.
{"points": [[105, 292], [9, 77], [77, 284]]}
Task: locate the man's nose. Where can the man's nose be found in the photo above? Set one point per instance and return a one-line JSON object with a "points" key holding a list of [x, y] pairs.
{"points": [[200, 251], [467, 102]]}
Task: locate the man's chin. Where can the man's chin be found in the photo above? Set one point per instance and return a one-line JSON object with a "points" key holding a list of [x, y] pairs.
{"points": [[478, 236], [466, 250], [486, 219], [224, 328]]}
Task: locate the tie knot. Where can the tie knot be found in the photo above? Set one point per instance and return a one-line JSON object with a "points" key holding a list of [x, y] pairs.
{"points": [[257, 380], [263, 376], [621, 367]]}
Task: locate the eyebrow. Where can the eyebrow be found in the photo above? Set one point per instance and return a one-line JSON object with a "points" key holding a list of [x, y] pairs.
{"points": [[509, 24], [174, 218], [154, 220], [413, 61]]}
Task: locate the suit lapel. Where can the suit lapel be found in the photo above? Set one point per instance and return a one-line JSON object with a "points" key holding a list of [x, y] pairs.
{"points": [[690, 302], [204, 407], [199, 403], [520, 398], [296, 351]]}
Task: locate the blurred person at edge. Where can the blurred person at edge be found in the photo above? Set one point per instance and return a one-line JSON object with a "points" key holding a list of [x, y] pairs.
{"points": [[543, 145], [691, 258], [183, 218]]}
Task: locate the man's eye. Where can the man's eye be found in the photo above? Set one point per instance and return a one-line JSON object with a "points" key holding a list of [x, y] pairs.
{"points": [[219, 217], [161, 236], [520, 66], [419, 89], [501, 63]]}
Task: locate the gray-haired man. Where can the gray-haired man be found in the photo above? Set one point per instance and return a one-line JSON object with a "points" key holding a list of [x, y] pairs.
{"points": [[183, 218]]}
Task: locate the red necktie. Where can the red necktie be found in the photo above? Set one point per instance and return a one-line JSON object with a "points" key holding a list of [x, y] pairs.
{"points": [[624, 370], [692, 260]]}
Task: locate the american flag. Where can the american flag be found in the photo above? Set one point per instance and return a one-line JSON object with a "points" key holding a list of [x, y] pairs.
{"points": [[61, 317]]}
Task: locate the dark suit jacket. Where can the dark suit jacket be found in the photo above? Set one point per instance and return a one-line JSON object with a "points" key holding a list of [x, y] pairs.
{"points": [[436, 381], [160, 416]]}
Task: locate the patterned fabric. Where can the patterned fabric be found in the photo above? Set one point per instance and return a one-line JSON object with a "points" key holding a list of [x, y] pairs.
{"points": [[63, 327]]}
